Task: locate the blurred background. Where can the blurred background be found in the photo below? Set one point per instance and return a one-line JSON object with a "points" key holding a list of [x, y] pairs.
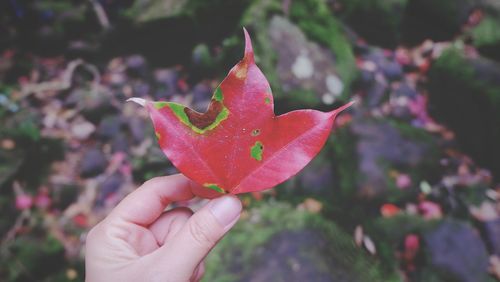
{"points": [[406, 189]]}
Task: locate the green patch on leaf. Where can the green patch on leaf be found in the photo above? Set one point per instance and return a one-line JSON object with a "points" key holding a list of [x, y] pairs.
{"points": [[257, 150], [218, 96], [179, 111], [267, 100], [160, 105], [214, 187]]}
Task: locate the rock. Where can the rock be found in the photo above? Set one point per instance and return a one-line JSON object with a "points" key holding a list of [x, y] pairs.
{"points": [[457, 252], [109, 127], [109, 187], [401, 96], [486, 35], [166, 83], [294, 50], [137, 127], [82, 129], [120, 143], [316, 180], [374, 147], [202, 93], [459, 85], [491, 230], [379, 22], [303, 66], [93, 163], [284, 244], [438, 21], [287, 257]]}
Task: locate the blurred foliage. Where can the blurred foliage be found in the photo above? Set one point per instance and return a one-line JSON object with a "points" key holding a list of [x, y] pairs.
{"points": [[179, 50]]}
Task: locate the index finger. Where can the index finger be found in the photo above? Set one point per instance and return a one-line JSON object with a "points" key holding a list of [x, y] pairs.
{"points": [[144, 205]]}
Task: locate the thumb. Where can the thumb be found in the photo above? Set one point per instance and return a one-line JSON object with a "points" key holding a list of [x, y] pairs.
{"points": [[198, 236]]}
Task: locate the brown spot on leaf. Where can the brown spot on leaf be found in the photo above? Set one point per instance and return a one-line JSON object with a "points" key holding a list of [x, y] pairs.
{"points": [[202, 121], [255, 132]]}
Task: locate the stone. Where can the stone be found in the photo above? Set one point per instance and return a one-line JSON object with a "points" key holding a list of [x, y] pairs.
{"points": [[455, 249], [120, 143], [297, 256], [82, 130], [303, 65], [491, 230], [109, 127], [401, 96], [93, 163], [379, 22], [202, 93], [137, 127], [459, 84], [438, 21], [109, 186], [276, 242], [372, 148], [385, 63], [293, 49]]}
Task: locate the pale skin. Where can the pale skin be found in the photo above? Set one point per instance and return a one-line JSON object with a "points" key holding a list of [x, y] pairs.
{"points": [[140, 241]]}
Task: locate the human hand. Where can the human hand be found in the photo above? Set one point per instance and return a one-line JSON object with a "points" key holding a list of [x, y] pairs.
{"points": [[138, 241]]}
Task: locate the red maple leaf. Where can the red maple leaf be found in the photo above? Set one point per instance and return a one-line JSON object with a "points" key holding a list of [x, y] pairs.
{"points": [[238, 145]]}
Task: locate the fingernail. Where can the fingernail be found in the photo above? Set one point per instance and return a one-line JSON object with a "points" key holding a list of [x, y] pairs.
{"points": [[226, 209]]}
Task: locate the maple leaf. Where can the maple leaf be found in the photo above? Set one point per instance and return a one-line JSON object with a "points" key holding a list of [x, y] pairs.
{"points": [[238, 145]]}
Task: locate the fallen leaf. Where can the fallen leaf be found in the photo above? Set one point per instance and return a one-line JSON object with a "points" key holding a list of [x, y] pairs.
{"points": [[239, 145], [311, 205], [430, 210], [369, 245], [358, 235], [389, 210]]}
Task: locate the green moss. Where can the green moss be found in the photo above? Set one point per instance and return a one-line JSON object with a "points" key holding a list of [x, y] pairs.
{"points": [[390, 232], [487, 32], [234, 256], [315, 20], [318, 23], [303, 98], [346, 165], [466, 97]]}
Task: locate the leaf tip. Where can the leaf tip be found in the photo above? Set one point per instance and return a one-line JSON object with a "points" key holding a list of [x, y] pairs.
{"points": [[248, 45], [139, 101]]}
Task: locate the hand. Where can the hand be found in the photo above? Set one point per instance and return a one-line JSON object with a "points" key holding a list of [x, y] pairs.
{"points": [[138, 241]]}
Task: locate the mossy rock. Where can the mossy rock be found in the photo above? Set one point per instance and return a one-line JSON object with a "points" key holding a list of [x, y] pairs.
{"points": [[437, 20], [465, 95], [369, 151], [455, 252], [379, 22], [166, 32], [486, 35], [288, 43], [389, 235], [275, 242]]}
